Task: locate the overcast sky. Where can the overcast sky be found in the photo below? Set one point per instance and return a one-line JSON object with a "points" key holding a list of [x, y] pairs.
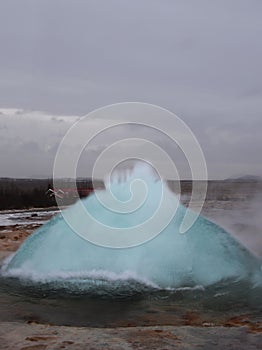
{"points": [[200, 59]]}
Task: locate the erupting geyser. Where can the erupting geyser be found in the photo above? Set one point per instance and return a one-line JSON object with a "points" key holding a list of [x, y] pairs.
{"points": [[204, 255]]}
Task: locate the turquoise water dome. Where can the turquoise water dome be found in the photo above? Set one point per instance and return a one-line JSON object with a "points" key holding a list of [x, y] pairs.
{"points": [[205, 255]]}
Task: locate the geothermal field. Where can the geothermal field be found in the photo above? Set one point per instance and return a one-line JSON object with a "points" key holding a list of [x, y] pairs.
{"points": [[58, 290]]}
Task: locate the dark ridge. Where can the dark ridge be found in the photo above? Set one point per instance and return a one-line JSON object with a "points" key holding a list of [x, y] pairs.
{"points": [[37, 193]]}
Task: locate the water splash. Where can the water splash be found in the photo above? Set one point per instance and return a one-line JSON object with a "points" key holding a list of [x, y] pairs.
{"points": [[206, 255]]}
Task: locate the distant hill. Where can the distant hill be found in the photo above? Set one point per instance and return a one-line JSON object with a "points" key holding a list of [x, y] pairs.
{"points": [[245, 178]]}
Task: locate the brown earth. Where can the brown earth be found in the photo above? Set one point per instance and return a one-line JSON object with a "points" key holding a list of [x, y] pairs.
{"points": [[11, 237], [19, 336]]}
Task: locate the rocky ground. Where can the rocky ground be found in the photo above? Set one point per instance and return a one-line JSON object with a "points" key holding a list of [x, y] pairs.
{"points": [[39, 337], [13, 236]]}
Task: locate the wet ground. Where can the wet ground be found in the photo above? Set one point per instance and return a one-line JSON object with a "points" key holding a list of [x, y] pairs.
{"points": [[40, 337], [17, 225]]}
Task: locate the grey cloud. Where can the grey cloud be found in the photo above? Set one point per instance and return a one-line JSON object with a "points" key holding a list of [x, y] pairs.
{"points": [[200, 59], [30, 147]]}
